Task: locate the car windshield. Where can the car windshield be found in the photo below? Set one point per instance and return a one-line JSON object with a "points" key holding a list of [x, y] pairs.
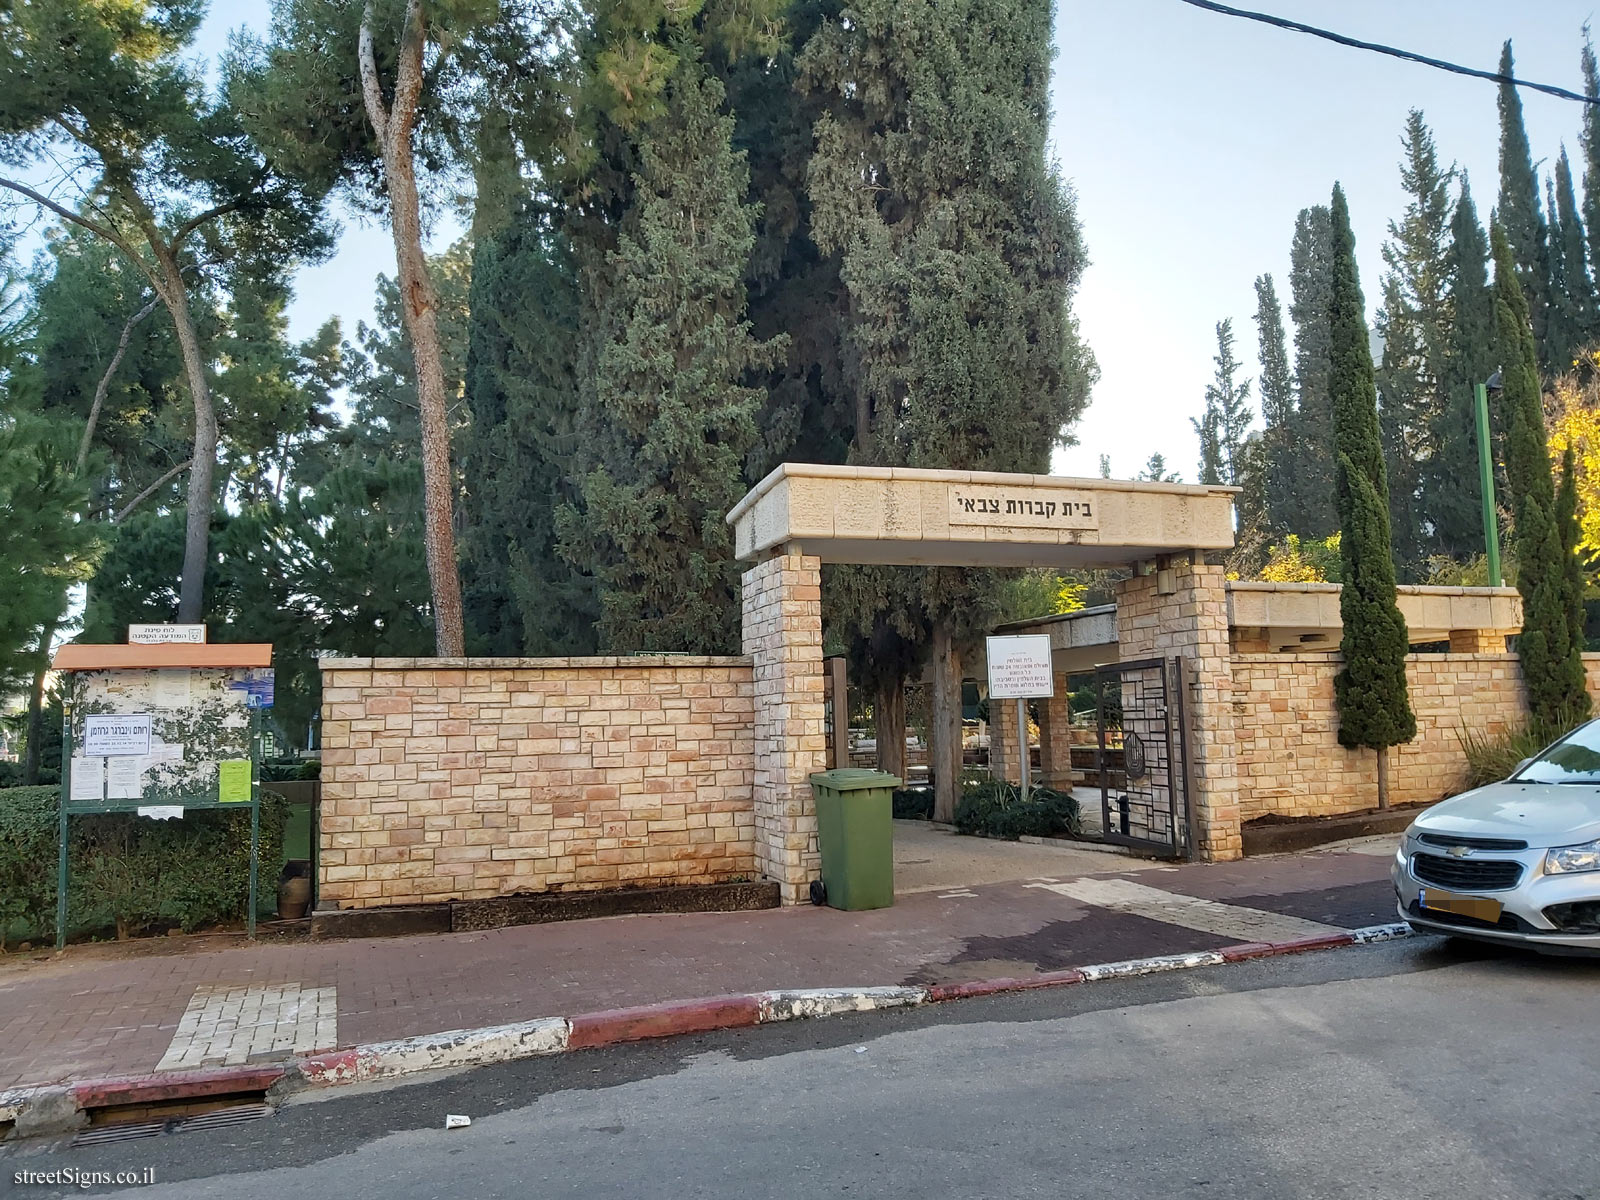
{"points": [[1574, 759]]}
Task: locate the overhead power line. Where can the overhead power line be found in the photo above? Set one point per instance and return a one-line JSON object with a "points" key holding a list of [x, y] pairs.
{"points": [[1549, 89]]}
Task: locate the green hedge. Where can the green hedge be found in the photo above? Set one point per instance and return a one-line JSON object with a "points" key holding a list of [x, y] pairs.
{"points": [[284, 770], [130, 873], [996, 809], [913, 804]]}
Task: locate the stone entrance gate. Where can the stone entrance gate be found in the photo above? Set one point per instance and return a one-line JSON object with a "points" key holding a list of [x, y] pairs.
{"points": [[802, 515]]}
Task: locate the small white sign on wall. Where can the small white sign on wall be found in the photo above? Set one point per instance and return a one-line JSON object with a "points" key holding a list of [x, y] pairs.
{"points": [[1019, 667], [158, 635], [107, 735]]}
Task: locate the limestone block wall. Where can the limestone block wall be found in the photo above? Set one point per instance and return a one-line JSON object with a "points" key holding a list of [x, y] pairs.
{"points": [[479, 777], [1288, 754]]}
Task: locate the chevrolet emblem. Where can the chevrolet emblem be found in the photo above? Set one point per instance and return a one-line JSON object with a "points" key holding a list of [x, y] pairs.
{"points": [[1459, 851]]}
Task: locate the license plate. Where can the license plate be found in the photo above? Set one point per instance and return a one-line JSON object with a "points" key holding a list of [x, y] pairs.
{"points": [[1463, 906]]}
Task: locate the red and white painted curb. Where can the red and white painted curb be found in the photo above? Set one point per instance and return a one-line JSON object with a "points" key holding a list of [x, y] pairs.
{"points": [[61, 1108]]}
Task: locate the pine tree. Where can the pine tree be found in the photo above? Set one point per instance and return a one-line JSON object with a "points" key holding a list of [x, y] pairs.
{"points": [[1227, 415], [670, 420], [1277, 407], [1374, 708], [1414, 323], [1518, 211], [1155, 471], [1552, 669], [1454, 507], [1206, 429], [1310, 289]]}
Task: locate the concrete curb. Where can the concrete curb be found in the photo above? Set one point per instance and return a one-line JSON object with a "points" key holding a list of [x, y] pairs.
{"points": [[61, 1108]]}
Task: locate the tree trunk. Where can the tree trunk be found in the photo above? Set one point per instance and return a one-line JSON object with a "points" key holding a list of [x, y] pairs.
{"points": [[202, 465], [1383, 779], [944, 726], [418, 309], [889, 725], [30, 762]]}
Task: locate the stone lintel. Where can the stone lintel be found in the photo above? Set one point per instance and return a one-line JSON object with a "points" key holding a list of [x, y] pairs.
{"points": [[914, 517]]}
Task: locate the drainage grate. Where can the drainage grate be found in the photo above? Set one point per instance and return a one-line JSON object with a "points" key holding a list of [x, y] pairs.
{"points": [[129, 1131]]}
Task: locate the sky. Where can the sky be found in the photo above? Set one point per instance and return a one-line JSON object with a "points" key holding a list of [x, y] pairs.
{"points": [[1192, 139]]}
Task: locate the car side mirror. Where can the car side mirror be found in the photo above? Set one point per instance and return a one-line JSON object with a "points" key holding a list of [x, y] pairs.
{"points": [[1517, 770]]}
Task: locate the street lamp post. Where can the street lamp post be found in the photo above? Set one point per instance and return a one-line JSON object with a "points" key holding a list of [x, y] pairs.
{"points": [[1491, 525]]}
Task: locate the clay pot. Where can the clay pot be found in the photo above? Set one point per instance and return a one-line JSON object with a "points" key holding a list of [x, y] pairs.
{"points": [[294, 897]]}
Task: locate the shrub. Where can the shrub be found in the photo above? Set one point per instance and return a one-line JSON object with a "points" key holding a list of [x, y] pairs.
{"points": [[913, 804], [996, 809], [129, 872], [11, 774], [1493, 757], [288, 770]]}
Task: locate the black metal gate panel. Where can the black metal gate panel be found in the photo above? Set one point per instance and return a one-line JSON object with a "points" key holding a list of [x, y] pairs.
{"points": [[1144, 795]]}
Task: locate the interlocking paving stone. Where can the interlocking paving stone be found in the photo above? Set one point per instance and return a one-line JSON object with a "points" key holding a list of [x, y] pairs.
{"points": [[228, 1024]]}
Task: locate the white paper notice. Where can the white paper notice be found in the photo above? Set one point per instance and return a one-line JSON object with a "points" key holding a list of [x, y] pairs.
{"points": [[161, 812], [125, 778], [88, 779], [118, 735], [170, 689], [165, 752]]}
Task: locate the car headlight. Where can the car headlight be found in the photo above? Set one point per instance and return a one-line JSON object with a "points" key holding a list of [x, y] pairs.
{"points": [[1564, 860]]}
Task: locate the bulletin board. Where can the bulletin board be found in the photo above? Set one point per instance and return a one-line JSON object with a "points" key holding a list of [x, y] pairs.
{"points": [[160, 731]]}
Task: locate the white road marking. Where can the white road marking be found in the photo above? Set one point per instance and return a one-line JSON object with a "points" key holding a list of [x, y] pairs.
{"points": [[1208, 916], [226, 1024]]}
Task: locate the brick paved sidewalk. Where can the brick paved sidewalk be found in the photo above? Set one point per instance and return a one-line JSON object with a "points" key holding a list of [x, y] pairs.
{"points": [[84, 1014]]}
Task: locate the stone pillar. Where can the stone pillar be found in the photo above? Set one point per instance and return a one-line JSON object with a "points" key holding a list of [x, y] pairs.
{"points": [[1055, 737], [1183, 610], [1477, 641], [783, 636]]}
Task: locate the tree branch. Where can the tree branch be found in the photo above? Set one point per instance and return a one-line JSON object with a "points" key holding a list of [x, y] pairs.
{"points": [[371, 93], [127, 508], [210, 214], [408, 83], [104, 385], [66, 214]]}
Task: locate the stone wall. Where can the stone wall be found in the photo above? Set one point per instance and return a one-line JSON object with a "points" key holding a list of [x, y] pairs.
{"points": [[1289, 758], [480, 777]]}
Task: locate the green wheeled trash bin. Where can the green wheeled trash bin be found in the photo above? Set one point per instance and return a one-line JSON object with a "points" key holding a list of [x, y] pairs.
{"points": [[855, 831]]}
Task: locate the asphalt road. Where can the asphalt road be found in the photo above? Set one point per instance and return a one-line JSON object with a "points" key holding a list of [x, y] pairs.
{"points": [[1413, 1069]]}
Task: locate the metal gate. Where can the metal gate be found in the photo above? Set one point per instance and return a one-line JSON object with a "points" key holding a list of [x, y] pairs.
{"points": [[1143, 755]]}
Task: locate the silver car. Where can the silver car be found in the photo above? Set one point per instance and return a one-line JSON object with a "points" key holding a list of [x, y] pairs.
{"points": [[1515, 862]]}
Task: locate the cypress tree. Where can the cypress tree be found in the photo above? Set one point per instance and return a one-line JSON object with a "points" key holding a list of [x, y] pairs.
{"points": [[1518, 211], [1374, 708], [1590, 140], [521, 595], [1570, 531], [1454, 502], [1552, 668], [959, 262], [1277, 407], [669, 420], [1573, 315], [1310, 290]]}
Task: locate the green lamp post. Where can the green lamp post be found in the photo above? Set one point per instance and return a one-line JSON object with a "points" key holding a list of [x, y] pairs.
{"points": [[1491, 526]]}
